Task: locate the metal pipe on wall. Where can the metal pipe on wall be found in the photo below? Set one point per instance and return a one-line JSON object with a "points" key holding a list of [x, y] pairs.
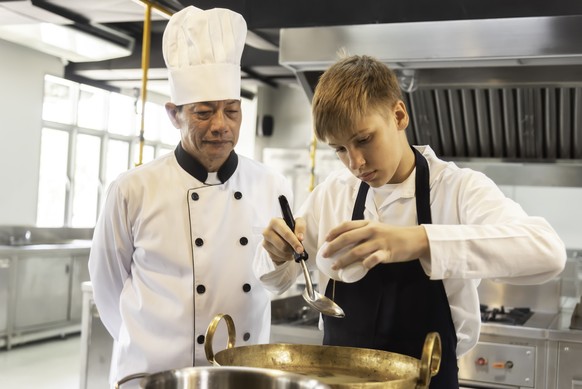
{"points": [[145, 63]]}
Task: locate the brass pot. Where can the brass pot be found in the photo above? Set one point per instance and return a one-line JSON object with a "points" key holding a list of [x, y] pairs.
{"points": [[336, 366]]}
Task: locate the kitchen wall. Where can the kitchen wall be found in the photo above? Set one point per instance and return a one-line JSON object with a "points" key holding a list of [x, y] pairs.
{"points": [[22, 73], [558, 205], [291, 111]]}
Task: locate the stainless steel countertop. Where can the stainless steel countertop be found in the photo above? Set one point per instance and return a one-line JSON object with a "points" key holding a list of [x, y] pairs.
{"points": [[78, 245], [557, 330], [541, 326]]}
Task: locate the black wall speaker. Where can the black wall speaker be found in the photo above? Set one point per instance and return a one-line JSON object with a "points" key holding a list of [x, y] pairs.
{"points": [[267, 123]]}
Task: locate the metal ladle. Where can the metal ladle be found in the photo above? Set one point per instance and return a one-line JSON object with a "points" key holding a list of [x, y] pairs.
{"points": [[316, 300]]}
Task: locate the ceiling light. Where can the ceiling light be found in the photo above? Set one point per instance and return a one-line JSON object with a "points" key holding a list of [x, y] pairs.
{"points": [[258, 42], [68, 41], [407, 79]]}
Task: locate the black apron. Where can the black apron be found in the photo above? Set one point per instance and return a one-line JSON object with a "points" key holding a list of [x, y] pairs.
{"points": [[396, 305]]}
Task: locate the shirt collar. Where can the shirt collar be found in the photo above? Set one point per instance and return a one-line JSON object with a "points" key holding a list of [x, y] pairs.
{"points": [[196, 170]]}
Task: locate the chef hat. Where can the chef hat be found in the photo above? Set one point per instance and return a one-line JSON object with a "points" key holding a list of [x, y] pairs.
{"points": [[202, 50]]}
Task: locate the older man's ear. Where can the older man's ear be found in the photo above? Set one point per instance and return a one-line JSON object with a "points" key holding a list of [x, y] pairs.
{"points": [[172, 111]]}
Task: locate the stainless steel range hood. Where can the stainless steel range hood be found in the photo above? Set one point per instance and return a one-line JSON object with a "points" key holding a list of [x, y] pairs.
{"points": [[443, 44], [501, 90]]}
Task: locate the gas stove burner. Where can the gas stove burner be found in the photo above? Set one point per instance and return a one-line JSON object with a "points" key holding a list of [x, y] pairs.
{"points": [[514, 316]]}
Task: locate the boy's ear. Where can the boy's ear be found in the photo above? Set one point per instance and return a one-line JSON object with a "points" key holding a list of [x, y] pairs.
{"points": [[401, 115], [172, 111]]}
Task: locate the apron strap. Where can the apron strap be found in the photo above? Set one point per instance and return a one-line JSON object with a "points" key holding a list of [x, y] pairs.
{"points": [[360, 205], [422, 192]]}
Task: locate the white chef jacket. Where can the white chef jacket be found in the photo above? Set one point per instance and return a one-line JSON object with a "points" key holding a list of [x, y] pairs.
{"points": [[170, 252], [476, 233]]}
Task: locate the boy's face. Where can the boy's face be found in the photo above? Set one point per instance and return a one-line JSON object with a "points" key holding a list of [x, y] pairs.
{"points": [[377, 151]]}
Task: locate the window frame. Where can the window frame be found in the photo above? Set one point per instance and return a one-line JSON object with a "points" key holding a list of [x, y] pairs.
{"points": [[74, 130]]}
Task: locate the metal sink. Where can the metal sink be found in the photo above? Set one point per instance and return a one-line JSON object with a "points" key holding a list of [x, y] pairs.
{"points": [[293, 311]]}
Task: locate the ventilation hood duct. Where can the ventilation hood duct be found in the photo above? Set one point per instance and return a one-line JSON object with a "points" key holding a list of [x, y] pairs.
{"points": [[491, 90], [442, 44]]}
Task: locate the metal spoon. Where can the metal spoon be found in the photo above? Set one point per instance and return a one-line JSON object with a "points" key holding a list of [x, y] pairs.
{"points": [[313, 298]]}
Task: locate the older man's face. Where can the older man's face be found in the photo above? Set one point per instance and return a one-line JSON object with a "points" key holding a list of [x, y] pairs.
{"points": [[209, 130]]}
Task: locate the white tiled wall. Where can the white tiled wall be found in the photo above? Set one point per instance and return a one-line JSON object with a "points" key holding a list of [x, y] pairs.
{"points": [[559, 205]]}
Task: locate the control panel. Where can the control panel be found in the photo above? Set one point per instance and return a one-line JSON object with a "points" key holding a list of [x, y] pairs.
{"points": [[500, 364]]}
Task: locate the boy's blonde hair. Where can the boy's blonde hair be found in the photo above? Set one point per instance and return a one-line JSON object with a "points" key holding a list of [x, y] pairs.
{"points": [[351, 88]]}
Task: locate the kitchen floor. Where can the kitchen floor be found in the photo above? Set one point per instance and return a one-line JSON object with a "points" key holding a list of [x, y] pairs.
{"points": [[47, 364]]}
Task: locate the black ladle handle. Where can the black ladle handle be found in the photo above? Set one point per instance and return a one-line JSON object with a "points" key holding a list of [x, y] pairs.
{"points": [[290, 221]]}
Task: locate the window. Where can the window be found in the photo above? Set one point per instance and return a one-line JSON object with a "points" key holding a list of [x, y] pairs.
{"points": [[53, 182], [86, 183], [59, 103], [89, 137], [91, 109], [117, 160], [122, 112]]}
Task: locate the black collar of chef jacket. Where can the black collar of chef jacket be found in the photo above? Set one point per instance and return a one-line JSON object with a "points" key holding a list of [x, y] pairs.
{"points": [[195, 168]]}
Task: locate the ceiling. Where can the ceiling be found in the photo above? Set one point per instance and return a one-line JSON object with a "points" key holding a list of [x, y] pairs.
{"points": [[265, 18]]}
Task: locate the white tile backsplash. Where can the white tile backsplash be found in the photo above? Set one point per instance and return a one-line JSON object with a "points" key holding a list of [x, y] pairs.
{"points": [[559, 205]]}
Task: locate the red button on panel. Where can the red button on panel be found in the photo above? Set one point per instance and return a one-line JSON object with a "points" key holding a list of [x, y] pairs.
{"points": [[481, 361]]}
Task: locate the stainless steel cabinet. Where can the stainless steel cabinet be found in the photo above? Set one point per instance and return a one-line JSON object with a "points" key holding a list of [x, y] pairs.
{"points": [[96, 345], [569, 365], [4, 288], [42, 291], [79, 274]]}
